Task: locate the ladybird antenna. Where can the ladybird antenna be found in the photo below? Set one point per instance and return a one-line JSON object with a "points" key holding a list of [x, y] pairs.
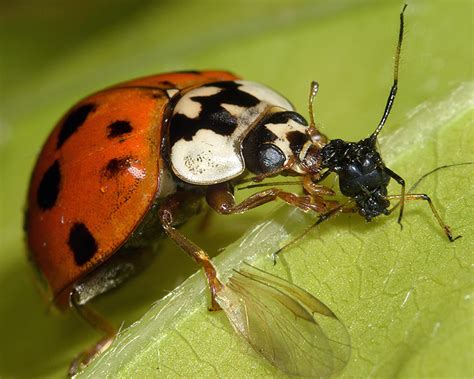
{"points": [[312, 131], [312, 94], [393, 90]]}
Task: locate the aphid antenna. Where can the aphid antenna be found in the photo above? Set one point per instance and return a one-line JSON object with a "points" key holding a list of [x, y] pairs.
{"points": [[424, 176], [393, 90]]}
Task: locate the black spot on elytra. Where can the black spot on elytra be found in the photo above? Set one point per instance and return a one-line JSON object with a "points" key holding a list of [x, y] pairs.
{"points": [[115, 166], [82, 243], [167, 84], [118, 129], [212, 116], [48, 189], [74, 121]]}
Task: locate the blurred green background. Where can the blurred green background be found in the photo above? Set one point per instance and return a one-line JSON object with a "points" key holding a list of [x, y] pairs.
{"points": [[54, 52]]}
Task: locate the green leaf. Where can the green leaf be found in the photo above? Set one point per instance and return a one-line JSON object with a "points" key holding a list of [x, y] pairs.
{"points": [[403, 295]]}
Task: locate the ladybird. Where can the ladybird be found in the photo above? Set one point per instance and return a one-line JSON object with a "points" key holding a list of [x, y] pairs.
{"points": [[142, 156]]}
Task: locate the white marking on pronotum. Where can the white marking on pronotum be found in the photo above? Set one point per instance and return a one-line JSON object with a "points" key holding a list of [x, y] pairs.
{"points": [[281, 130], [264, 93], [233, 109], [207, 158], [191, 108]]}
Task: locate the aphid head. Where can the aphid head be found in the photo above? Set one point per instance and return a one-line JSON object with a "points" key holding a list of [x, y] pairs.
{"points": [[362, 174]]}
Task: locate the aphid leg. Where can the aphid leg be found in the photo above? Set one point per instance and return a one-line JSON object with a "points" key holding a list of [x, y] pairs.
{"points": [[347, 207], [414, 196], [97, 321], [220, 197], [334, 210], [170, 214], [400, 181]]}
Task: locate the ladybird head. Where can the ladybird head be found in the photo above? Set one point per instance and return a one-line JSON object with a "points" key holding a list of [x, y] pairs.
{"points": [[362, 174], [277, 138]]}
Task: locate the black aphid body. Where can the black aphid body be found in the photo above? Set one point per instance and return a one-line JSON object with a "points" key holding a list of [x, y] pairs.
{"points": [[362, 174]]}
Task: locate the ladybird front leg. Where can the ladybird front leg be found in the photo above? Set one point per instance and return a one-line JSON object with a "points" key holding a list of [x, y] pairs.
{"points": [[317, 191], [170, 214], [96, 320], [220, 197]]}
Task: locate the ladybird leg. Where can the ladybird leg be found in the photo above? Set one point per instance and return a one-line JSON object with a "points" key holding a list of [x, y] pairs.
{"points": [[316, 189], [400, 181], [169, 214], [415, 196], [96, 320], [220, 197]]}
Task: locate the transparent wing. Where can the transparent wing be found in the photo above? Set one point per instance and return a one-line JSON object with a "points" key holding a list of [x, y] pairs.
{"points": [[287, 325]]}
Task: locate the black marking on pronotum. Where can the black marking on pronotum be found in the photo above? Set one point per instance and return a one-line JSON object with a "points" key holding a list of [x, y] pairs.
{"points": [[74, 121], [82, 243], [115, 166], [48, 189], [118, 128], [260, 154], [284, 117], [297, 140], [212, 116]]}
